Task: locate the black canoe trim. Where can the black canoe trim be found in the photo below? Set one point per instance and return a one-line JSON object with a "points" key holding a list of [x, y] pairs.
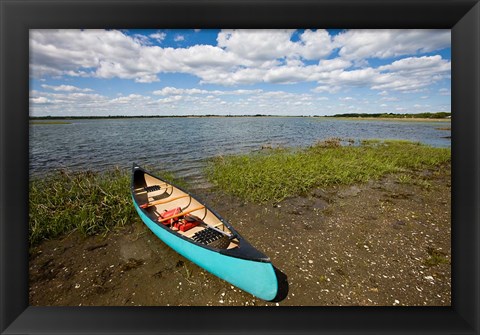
{"points": [[244, 251]]}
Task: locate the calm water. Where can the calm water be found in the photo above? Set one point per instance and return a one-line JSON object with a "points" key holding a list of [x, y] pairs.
{"points": [[183, 144]]}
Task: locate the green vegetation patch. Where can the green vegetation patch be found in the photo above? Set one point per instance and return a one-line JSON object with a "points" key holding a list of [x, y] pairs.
{"points": [[436, 257], [276, 174], [439, 115], [88, 202]]}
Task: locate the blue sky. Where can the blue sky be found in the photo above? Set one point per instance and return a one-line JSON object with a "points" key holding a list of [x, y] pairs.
{"points": [[238, 72]]}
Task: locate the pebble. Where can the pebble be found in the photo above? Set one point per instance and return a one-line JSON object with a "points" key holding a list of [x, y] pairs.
{"points": [[310, 261], [77, 285]]}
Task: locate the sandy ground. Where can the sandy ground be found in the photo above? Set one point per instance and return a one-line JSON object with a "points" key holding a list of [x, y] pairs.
{"points": [[384, 243]]}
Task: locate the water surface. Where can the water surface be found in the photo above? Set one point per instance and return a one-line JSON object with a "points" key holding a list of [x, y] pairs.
{"points": [[183, 145]]}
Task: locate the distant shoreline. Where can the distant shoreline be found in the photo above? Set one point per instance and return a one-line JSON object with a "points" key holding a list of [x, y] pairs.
{"points": [[47, 121], [344, 117], [156, 117], [404, 119]]}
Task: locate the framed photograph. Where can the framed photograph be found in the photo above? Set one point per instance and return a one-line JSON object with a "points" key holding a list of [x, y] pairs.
{"points": [[393, 82]]}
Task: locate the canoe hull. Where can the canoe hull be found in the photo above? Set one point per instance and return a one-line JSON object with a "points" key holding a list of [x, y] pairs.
{"points": [[256, 277]]}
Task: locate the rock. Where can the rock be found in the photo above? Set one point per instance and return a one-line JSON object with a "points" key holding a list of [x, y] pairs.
{"points": [[398, 224], [429, 278], [351, 192], [319, 193]]}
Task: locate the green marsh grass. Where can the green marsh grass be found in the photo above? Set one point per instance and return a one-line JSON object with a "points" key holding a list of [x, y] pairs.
{"points": [[273, 175], [87, 202]]}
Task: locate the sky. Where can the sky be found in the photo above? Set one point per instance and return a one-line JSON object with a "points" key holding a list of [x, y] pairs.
{"points": [[239, 72]]}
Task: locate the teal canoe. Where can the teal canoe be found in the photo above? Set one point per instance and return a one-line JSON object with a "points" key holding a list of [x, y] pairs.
{"points": [[199, 234]]}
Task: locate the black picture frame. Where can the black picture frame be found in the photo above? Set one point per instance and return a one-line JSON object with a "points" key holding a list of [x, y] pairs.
{"points": [[18, 16]]}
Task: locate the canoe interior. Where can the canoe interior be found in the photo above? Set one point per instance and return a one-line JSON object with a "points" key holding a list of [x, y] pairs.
{"points": [[158, 196]]}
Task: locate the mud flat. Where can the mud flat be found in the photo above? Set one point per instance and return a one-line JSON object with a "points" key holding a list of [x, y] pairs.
{"points": [[386, 242]]}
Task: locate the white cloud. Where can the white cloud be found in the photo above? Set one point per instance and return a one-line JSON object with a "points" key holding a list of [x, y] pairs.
{"points": [[158, 36], [389, 99], [256, 45], [245, 57], [418, 64], [174, 98], [314, 44], [444, 91], [328, 65], [265, 45], [326, 89], [142, 39], [96, 53], [128, 99], [67, 88], [179, 38], [411, 74], [192, 91], [40, 100], [374, 43]]}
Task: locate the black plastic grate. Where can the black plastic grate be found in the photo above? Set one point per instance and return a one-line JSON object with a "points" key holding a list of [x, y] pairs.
{"points": [[207, 236], [152, 188]]}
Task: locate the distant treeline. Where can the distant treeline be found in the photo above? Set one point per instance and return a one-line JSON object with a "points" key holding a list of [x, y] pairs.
{"points": [[440, 115], [145, 116]]}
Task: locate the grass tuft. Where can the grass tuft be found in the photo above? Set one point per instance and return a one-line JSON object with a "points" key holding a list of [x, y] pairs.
{"points": [[435, 258], [88, 202], [274, 175]]}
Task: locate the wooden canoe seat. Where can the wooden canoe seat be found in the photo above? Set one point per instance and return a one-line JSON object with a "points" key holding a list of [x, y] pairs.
{"points": [[163, 201]]}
